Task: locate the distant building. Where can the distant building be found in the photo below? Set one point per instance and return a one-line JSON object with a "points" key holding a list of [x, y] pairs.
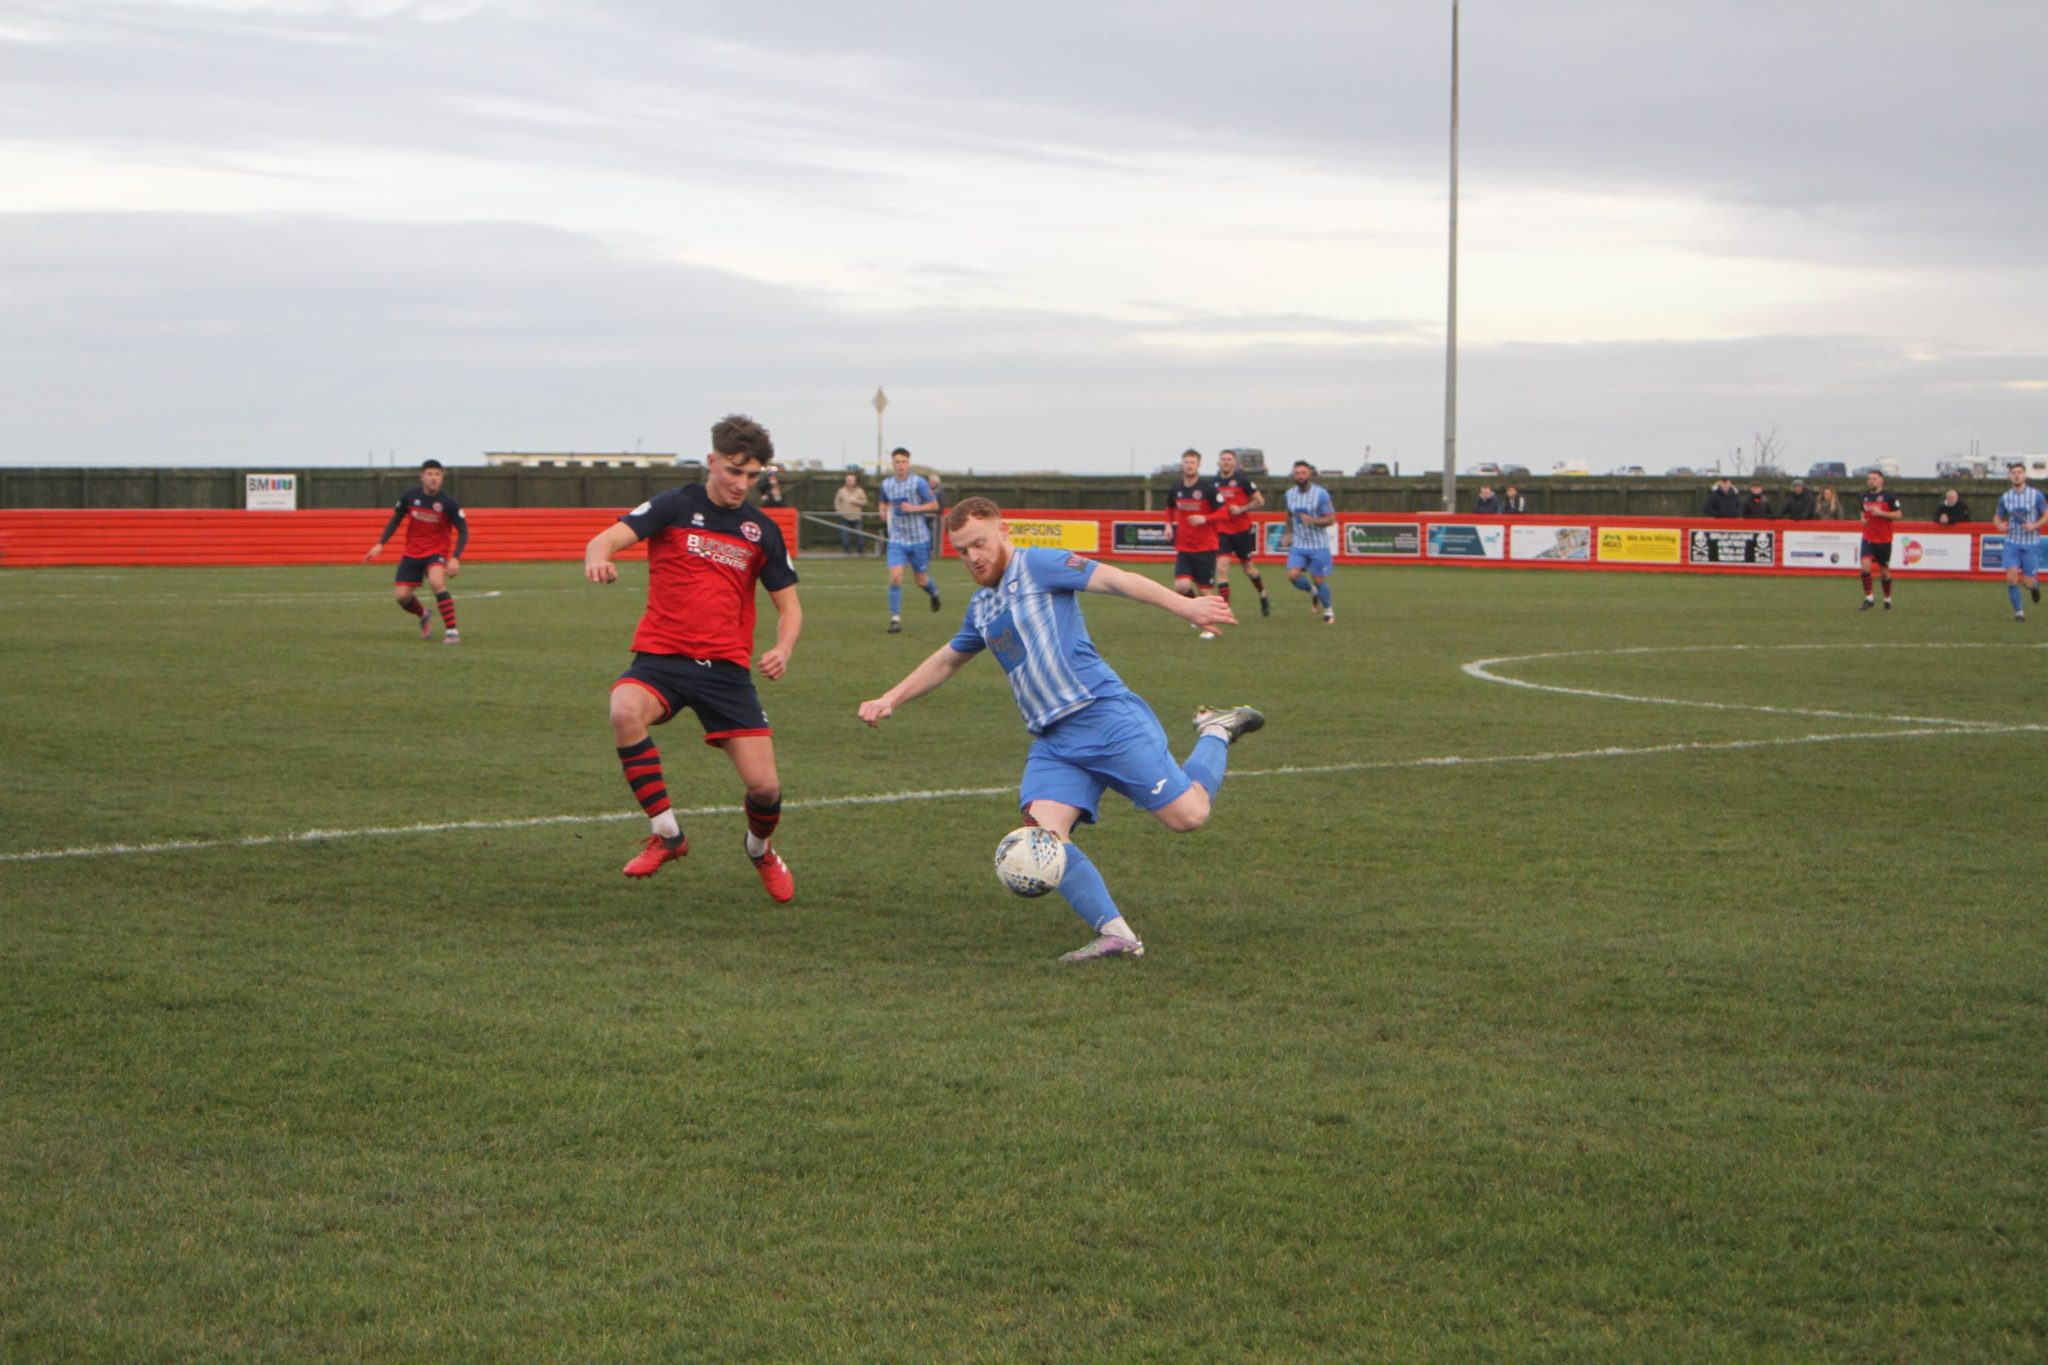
{"points": [[570, 459]]}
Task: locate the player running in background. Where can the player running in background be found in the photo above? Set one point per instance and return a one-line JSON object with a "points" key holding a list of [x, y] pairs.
{"points": [[1192, 506], [2020, 511], [1236, 537], [1880, 514], [432, 518], [1310, 515], [906, 498], [706, 548], [1090, 732]]}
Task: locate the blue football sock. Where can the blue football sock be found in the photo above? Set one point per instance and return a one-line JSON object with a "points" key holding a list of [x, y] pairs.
{"points": [[1326, 594], [931, 589], [895, 599], [1205, 763], [1086, 891], [1303, 584], [2012, 590]]}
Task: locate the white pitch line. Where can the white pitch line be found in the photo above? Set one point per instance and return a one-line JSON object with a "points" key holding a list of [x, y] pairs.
{"points": [[314, 836]]}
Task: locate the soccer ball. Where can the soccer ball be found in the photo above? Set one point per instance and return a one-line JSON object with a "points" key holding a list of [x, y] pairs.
{"points": [[1030, 861]]}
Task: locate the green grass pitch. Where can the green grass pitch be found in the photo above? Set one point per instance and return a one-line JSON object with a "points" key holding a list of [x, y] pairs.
{"points": [[1645, 1029]]}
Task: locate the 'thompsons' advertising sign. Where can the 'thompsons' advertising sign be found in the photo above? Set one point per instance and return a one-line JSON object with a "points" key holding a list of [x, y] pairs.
{"points": [[271, 492], [1641, 545], [1084, 536]]}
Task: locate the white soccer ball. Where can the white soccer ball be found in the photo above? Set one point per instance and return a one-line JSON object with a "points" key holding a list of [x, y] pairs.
{"points": [[1030, 861]]}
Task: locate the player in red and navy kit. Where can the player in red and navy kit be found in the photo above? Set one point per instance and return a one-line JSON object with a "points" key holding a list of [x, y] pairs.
{"points": [[1236, 537], [1880, 512], [1192, 506], [432, 520], [707, 546]]}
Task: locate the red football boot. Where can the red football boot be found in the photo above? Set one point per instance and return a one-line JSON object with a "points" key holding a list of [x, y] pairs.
{"points": [[656, 851], [775, 876]]}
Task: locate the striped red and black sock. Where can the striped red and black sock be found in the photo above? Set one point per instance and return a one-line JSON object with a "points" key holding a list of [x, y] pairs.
{"points": [[762, 820], [411, 607], [1866, 585], [642, 763], [446, 602], [1223, 591]]}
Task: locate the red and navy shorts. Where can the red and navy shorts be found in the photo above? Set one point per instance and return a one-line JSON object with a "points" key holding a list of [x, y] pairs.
{"points": [[1238, 545], [414, 571], [1200, 565], [718, 690], [1879, 550]]}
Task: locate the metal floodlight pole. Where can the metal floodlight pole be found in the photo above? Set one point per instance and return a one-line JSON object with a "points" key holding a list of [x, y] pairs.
{"points": [[881, 401], [1451, 308]]}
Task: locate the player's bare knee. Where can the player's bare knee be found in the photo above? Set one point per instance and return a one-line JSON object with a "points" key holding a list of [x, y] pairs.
{"points": [[764, 795]]}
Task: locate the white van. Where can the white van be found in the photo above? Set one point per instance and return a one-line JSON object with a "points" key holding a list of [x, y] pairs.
{"points": [[2037, 465]]}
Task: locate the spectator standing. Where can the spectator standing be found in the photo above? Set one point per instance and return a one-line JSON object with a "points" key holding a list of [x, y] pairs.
{"points": [[1953, 510], [1756, 507], [1487, 504], [849, 504], [771, 491], [1722, 500], [1798, 503], [1512, 503], [1828, 507]]}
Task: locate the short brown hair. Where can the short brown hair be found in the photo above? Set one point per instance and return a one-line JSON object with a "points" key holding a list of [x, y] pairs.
{"points": [[1191, 451], [972, 509], [741, 438]]}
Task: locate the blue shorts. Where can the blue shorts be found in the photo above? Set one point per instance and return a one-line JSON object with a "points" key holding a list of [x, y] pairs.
{"points": [[413, 572], [918, 557], [2025, 558], [1113, 742], [1317, 562]]}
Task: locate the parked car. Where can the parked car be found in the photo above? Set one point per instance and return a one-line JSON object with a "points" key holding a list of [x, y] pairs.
{"points": [[1827, 469], [1482, 471], [1680, 471], [1373, 469], [1570, 469], [1631, 471]]}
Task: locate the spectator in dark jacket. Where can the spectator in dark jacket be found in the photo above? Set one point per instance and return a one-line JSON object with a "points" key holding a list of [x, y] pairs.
{"points": [[1756, 507], [1512, 503], [1487, 504], [1953, 509], [1798, 503], [1722, 500]]}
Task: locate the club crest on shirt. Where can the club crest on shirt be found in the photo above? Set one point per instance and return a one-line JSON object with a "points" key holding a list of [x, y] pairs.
{"points": [[1075, 561], [750, 530], [437, 506]]}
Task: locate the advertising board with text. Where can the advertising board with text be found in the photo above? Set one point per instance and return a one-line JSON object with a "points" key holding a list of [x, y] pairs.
{"points": [[1141, 538], [1563, 543], [1641, 545], [1913, 552], [1082, 536], [1822, 549], [1461, 540], [1711, 545], [1382, 539]]}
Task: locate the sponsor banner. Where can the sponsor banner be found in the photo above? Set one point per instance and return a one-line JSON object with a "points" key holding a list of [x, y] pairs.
{"points": [[1707, 546], [271, 492], [1916, 553], [1551, 542], [1822, 549], [1382, 539], [1141, 538], [1991, 553], [1271, 533], [1459, 540], [1085, 536], [1641, 545]]}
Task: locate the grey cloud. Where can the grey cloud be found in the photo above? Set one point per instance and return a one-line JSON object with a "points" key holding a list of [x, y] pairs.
{"points": [[216, 339]]}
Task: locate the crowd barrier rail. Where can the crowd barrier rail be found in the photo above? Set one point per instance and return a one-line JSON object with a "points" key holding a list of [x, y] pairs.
{"points": [[1636, 544]]}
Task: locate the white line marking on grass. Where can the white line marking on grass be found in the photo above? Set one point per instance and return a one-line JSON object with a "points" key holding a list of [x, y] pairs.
{"points": [[315, 836], [350, 598], [1482, 669]]}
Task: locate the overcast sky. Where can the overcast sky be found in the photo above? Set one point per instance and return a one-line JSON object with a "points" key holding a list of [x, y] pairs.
{"points": [[1064, 235]]}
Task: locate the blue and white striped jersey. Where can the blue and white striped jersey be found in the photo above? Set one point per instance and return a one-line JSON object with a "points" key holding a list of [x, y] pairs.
{"points": [[1033, 624], [2020, 506], [908, 528], [1303, 503]]}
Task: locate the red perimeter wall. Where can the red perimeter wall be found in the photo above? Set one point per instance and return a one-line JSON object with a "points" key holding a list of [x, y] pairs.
{"points": [[35, 538], [29, 539]]}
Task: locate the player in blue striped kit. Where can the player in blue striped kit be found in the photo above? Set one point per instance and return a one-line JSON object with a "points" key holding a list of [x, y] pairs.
{"points": [[2020, 511], [906, 498], [1091, 733], [1310, 517]]}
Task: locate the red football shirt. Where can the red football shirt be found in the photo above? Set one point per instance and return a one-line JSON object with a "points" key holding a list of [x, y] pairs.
{"points": [[430, 524], [702, 563], [1191, 499], [1234, 492], [1878, 530]]}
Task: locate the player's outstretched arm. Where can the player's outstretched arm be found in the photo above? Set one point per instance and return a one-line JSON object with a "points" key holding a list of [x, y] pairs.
{"points": [[597, 555], [938, 666], [1201, 611], [789, 623]]}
